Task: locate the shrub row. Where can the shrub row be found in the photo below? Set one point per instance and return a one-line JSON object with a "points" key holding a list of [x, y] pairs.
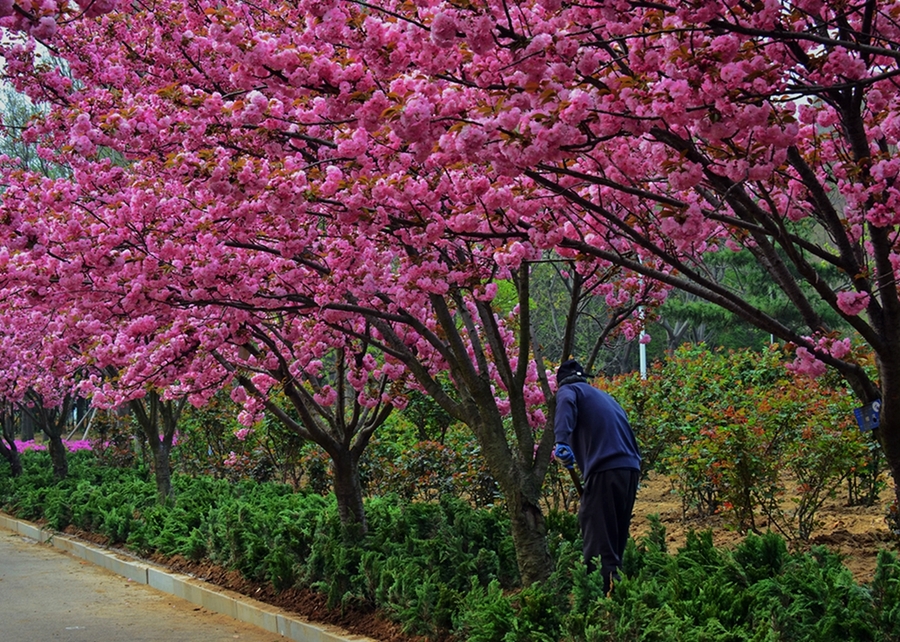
{"points": [[445, 567], [741, 435]]}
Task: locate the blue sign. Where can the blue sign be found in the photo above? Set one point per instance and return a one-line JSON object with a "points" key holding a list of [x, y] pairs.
{"points": [[868, 416]]}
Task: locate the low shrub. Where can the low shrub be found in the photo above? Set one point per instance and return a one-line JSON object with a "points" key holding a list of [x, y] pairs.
{"points": [[446, 567], [743, 436]]}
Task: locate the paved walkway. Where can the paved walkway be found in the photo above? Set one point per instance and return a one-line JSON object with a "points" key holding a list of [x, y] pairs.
{"points": [[47, 596]]}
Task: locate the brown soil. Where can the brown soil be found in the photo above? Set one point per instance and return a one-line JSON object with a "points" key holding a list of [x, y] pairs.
{"points": [[309, 604], [856, 532]]}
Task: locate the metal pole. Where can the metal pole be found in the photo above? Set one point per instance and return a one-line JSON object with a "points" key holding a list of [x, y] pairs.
{"points": [[642, 349]]}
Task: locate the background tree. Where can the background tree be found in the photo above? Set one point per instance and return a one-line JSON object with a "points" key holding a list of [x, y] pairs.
{"points": [[52, 418], [8, 430], [581, 316], [16, 110], [335, 393], [39, 373], [157, 421]]}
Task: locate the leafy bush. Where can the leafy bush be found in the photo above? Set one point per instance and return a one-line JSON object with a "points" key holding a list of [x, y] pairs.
{"points": [[212, 442], [740, 434], [759, 591], [429, 470]]}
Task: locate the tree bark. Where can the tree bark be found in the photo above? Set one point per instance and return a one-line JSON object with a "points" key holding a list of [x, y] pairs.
{"points": [[58, 457], [348, 492], [888, 431], [529, 533], [158, 420], [162, 468], [26, 426], [8, 448], [52, 421], [520, 485], [15, 462], [11, 455]]}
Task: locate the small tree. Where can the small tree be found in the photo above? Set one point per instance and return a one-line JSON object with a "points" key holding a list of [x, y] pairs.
{"points": [[8, 450], [52, 420], [157, 420], [337, 400]]}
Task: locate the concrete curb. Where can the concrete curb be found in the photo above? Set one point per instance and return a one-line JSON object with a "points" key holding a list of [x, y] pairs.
{"points": [[239, 607]]}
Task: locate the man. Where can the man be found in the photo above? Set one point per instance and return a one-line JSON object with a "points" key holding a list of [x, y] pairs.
{"points": [[592, 431]]}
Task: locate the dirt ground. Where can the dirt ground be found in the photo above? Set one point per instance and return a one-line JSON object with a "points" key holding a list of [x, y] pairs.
{"points": [[856, 532]]}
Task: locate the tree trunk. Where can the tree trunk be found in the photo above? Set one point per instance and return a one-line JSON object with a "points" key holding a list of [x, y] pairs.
{"points": [[11, 455], [162, 469], [520, 486], [529, 533], [26, 426], [888, 431], [58, 457], [15, 462], [153, 413], [348, 491]]}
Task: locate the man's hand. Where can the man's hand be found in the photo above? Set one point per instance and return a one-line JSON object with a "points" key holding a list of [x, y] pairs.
{"points": [[565, 456]]}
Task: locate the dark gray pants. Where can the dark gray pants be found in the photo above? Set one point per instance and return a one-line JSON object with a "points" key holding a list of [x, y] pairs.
{"points": [[605, 517]]}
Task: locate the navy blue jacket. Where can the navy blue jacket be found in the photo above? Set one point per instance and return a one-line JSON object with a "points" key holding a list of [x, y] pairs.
{"points": [[596, 428]]}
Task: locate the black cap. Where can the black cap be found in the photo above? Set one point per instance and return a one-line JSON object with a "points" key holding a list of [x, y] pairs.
{"points": [[567, 369]]}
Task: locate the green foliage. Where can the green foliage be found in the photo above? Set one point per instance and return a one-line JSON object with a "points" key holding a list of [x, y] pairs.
{"points": [[17, 110], [741, 273], [430, 420], [740, 434], [447, 546], [426, 471], [394, 463], [867, 478], [532, 614], [757, 592], [487, 615], [446, 566], [211, 442], [886, 594], [417, 561]]}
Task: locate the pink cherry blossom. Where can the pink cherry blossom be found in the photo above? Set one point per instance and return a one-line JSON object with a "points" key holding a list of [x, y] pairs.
{"points": [[852, 303], [443, 29], [807, 364]]}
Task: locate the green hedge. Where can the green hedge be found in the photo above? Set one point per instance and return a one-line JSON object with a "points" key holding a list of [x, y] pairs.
{"points": [[447, 567], [742, 436]]}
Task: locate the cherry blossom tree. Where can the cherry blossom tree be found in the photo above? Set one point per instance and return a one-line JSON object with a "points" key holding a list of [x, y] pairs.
{"points": [[39, 388], [668, 131], [325, 385], [499, 393], [672, 130], [39, 376], [157, 419], [52, 419], [8, 449], [421, 151]]}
